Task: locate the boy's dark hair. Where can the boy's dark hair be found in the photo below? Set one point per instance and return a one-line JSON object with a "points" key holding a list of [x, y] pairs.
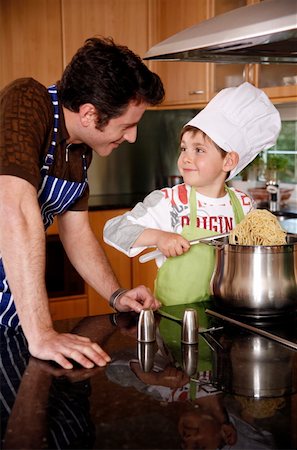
{"points": [[195, 130], [109, 76]]}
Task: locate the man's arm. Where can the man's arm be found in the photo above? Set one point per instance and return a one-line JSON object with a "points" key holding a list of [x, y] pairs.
{"points": [[85, 252], [89, 259], [22, 246]]}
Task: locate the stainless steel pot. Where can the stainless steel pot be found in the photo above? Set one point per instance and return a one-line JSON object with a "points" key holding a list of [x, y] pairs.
{"points": [[256, 280]]}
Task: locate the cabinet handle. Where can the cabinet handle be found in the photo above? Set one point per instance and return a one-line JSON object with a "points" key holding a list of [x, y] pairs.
{"points": [[196, 92]]}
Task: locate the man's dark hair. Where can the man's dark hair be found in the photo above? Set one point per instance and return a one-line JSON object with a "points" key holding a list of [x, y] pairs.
{"points": [[109, 76]]}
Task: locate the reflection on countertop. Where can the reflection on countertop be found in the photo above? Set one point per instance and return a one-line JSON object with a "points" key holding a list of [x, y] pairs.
{"points": [[242, 390]]}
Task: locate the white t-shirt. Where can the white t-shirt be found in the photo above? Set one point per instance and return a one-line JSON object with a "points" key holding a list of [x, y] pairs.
{"points": [[168, 209]]}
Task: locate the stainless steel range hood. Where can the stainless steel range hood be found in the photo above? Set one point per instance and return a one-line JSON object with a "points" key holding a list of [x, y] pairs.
{"points": [[265, 32]]}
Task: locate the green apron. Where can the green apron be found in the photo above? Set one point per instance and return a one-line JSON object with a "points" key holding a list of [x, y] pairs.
{"points": [[186, 279]]}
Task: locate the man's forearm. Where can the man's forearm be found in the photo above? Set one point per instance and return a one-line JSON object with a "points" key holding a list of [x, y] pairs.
{"points": [[86, 254], [24, 262]]}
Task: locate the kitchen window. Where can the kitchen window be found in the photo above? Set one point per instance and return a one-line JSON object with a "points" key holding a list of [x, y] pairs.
{"points": [[278, 163], [284, 153]]}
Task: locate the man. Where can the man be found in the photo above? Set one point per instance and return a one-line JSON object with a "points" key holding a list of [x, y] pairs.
{"points": [[47, 139]]}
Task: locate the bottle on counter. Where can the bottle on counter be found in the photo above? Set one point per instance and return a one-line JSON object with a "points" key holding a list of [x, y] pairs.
{"points": [[272, 188]]}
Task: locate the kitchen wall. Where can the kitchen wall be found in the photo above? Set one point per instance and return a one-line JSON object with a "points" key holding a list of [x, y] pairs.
{"points": [[145, 165]]}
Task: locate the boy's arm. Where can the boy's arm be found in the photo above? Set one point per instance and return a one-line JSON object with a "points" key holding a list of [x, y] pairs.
{"points": [[170, 244], [123, 231], [121, 234], [148, 224]]}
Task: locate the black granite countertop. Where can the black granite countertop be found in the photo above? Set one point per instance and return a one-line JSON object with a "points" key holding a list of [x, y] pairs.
{"points": [[232, 386]]}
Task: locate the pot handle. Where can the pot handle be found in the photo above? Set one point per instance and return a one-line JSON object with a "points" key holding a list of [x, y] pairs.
{"points": [[207, 240], [149, 256], [213, 242]]}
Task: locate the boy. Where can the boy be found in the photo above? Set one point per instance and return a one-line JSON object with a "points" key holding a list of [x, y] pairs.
{"points": [[219, 142]]}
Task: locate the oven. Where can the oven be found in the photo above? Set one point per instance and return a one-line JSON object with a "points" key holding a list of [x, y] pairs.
{"points": [[62, 280]]}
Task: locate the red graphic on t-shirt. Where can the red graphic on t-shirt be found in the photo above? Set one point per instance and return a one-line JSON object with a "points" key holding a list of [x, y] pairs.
{"points": [[245, 199], [165, 192], [183, 194], [218, 224]]}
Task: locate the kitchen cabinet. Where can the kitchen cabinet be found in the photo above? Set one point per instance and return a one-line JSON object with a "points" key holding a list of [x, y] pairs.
{"points": [[144, 273], [125, 21], [185, 83], [39, 37], [191, 83], [279, 81], [30, 40], [88, 301], [194, 84]]}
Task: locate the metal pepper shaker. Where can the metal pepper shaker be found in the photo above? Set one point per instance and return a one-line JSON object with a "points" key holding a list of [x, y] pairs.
{"points": [[146, 330], [190, 327], [274, 195]]}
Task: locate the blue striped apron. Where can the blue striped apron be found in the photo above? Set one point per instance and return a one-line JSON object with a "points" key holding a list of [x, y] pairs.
{"points": [[55, 196]]}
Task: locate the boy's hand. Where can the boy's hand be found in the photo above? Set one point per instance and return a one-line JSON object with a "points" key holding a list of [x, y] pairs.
{"points": [[172, 244]]}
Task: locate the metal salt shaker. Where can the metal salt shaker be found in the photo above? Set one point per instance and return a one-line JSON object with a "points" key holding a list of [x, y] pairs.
{"points": [[190, 327], [146, 330]]}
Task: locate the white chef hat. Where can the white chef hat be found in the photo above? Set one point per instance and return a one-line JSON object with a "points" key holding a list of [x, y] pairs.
{"points": [[240, 119]]}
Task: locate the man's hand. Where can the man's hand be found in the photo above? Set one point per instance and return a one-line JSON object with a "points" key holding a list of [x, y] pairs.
{"points": [[137, 299], [64, 347]]}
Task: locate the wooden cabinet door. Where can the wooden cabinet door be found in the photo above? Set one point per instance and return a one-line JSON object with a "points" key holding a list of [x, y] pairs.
{"points": [[144, 273], [278, 81], [123, 20], [186, 83], [30, 40], [120, 263]]}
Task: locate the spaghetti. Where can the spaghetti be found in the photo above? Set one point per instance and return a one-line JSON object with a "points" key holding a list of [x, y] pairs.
{"points": [[260, 408], [259, 227]]}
